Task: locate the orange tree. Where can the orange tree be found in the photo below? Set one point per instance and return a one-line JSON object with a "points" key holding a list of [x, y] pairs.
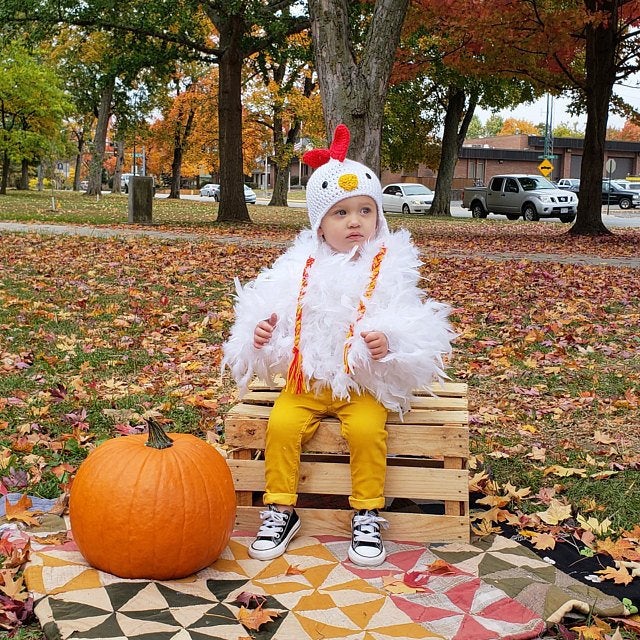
{"points": [[580, 46], [221, 32]]}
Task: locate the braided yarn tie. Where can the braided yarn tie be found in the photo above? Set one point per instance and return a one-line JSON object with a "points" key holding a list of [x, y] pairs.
{"points": [[362, 307], [295, 376]]}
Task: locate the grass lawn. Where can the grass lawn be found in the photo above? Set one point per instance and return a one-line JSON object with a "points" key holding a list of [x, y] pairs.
{"points": [[96, 334]]}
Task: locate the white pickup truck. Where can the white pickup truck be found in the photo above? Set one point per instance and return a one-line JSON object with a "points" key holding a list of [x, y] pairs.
{"points": [[514, 195]]}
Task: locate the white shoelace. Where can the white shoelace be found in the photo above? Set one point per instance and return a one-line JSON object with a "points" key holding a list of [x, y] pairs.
{"points": [[273, 522], [366, 528]]}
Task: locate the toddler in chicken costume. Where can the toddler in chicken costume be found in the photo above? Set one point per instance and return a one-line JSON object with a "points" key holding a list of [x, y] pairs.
{"points": [[341, 317]]}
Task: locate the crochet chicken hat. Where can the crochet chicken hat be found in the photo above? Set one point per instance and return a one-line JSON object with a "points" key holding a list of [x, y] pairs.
{"points": [[336, 178]]}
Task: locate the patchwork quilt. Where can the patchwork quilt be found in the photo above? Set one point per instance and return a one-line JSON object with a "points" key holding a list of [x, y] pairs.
{"points": [[491, 590]]}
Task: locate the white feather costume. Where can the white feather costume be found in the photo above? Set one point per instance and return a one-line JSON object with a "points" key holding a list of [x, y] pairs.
{"points": [[417, 328]]}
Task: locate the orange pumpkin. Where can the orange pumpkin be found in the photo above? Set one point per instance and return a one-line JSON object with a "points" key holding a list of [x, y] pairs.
{"points": [[160, 509]]}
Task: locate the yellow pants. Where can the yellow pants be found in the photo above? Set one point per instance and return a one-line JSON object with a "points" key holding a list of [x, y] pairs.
{"points": [[295, 418]]}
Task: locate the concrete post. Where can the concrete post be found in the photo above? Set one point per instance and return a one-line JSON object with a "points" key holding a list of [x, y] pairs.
{"points": [[140, 199]]}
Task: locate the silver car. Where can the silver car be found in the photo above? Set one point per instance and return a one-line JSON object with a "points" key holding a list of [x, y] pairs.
{"points": [[211, 191], [249, 195], [406, 197]]}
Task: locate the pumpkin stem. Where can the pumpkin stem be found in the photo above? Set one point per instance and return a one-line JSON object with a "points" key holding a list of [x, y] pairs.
{"points": [[158, 439]]}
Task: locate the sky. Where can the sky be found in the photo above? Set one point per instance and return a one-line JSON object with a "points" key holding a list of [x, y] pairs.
{"points": [[536, 112]]}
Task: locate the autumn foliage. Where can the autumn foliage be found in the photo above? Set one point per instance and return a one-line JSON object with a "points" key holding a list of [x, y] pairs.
{"points": [[99, 335]]}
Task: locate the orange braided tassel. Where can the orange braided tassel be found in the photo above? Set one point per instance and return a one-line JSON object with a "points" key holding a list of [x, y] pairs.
{"points": [[295, 376], [376, 263]]}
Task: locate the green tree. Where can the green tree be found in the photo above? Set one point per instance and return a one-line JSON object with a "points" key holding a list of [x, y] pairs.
{"points": [[224, 32], [32, 108], [476, 128], [493, 125], [409, 133], [282, 101], [431, 49], [564, 130]]}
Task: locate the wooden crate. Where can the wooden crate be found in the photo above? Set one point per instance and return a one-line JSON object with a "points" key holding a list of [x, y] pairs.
{"points": [[427, 463]]}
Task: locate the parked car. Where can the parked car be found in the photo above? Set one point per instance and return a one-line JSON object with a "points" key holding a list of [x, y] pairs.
{"points": [[249, 195], [569, 184], [517, 195], [125, 179], [211, 190], [613, 193], [406, 197]]}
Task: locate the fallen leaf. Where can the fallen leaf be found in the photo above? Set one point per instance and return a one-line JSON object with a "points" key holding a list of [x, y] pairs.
{"points": [[255, 618], [417, 579], [602, 438], [543, 541], [485, 528], [15, 589], [619, 576], [556, 513], [293, 570], [564, 472], [19, 510], [250, 600], [514, 493], [597, 527], [441, 567], [397, 585]]}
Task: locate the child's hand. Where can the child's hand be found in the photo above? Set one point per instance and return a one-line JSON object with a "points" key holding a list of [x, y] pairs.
{"points": [[377, 343], [264, 330]]}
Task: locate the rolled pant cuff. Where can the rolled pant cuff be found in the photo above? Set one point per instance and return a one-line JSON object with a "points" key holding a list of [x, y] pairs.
{"points": [[374, 503], [287, 499]]}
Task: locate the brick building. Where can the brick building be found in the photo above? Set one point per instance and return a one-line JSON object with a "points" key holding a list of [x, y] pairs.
{"points": [[482, 158]]}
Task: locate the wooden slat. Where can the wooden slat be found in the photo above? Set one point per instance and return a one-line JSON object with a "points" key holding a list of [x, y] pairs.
{"points": [[421, 416], [403, 439], [267, 398], [447, 389], [334, 479], [409, 527]]}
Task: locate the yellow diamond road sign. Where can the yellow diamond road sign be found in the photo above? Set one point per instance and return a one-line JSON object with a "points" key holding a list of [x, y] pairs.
{"points": [[545, 167]]}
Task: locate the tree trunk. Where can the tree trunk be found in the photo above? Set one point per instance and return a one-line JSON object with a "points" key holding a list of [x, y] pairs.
{"points": [[176, 173], [5, 174], [78, 163], [455, 131], [283, 159], [180, 137], [116, 187], [600, 63], [354, 91], [283, 166], [23, 185], [233, 207], [100, 138]]}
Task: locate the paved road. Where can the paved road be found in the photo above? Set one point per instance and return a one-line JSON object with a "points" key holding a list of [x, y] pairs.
{"points": [[614, 218]]}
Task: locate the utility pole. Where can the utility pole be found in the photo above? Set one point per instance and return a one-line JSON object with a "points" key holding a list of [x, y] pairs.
{"points": [[548, 130]]}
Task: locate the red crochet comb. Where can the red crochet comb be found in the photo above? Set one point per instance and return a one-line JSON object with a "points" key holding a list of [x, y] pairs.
{"points": [[338, 149]]}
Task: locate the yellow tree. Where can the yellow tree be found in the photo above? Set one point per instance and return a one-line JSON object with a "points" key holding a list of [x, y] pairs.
{"points": [[283, 96], [514, 126]]}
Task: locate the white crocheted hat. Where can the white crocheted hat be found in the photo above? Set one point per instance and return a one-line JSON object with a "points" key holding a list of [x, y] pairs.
{"points": [[336, 178]]}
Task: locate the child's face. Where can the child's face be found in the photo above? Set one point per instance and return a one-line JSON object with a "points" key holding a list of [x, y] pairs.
{"points": [[349, 223]]}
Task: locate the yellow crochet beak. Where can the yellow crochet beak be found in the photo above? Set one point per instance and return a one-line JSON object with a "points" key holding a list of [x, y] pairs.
{"points": [[348, 181]]}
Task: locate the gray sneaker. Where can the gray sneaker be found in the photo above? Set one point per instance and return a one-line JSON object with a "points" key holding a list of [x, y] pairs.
{"points": [[275, 533], [367, 548]]}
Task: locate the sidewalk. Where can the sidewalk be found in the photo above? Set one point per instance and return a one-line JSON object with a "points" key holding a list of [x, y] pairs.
{"points": [[106, 232]]}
